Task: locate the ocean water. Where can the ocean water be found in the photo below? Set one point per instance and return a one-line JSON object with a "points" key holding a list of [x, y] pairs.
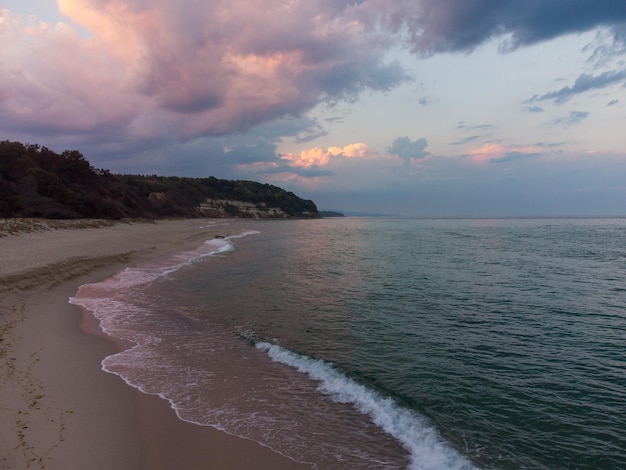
{"points": [[389, 343]]}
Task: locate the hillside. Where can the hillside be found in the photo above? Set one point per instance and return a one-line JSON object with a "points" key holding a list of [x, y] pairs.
{"points": [[37, 182]]}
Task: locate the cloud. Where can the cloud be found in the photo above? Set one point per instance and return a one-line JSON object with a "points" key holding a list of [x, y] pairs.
{"points": [[534, 109], [313, 132], [185, 70], [335, 119], [250, 153], [317, 157], [355, 164], [477, 127], [407, 150], [466, 140], [53, 81], [494, 153], [301, 173], [434, 26], [607, 46], [138, 76], [574, 117], [583, 83]]}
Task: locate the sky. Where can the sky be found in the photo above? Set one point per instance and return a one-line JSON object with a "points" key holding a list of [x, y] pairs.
{"points": [[428, 108]]}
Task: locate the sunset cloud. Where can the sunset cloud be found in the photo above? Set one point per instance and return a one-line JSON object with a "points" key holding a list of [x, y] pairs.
{"points": [[264, 89], [53, 81], [190, 69], [320, 157], [493, 152], [196, 68]]}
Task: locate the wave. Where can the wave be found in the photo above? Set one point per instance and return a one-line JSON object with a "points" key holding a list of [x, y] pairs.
{"points": [[127, 320], [100, 298], [428, 450]]}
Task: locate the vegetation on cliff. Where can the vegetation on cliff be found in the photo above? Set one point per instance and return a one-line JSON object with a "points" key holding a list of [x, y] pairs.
{"points": [[37, 182]]}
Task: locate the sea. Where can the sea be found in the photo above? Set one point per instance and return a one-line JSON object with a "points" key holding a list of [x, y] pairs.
{"points": [[388, 343]]}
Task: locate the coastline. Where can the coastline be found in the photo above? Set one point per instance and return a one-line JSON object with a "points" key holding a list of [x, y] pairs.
{"points": [[61, 410]]}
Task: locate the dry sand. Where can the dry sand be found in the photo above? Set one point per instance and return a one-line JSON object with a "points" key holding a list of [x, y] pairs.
{"points": [[58, 409]]}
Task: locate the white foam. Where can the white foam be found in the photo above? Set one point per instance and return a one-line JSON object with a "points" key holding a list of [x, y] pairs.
{"points": [[102, 298], [428, 450]]}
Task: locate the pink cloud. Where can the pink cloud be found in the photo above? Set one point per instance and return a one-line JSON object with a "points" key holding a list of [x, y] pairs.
{"points": [[144, 71], [308, 158], [352, 150], [320, 157], [487, 152], [53, 79], [187, 69], [492, 152]]}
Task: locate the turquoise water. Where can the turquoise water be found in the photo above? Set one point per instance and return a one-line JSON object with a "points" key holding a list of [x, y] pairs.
{"points": [[391, 343]]}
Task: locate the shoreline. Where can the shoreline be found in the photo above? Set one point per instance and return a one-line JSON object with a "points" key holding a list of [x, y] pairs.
{"points": [[61, 410]]}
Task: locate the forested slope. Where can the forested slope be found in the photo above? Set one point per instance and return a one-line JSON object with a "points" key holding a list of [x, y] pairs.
{"points": [[37, 182]]}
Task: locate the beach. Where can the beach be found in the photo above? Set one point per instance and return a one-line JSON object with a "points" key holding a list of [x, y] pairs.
{"points": [[59, 409], [335, 343]]}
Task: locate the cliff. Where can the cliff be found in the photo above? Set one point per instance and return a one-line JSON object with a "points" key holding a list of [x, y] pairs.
{"points": [[37, 182]]}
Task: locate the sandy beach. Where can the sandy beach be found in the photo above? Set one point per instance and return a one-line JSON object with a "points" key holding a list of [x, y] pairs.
{"points": [[58, 409]]}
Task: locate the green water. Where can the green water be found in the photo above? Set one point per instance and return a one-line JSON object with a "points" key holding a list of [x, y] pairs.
{"points": [[429, 344]]}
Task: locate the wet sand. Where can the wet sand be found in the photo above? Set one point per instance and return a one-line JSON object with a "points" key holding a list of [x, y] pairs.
{"points": [[59, 409]]}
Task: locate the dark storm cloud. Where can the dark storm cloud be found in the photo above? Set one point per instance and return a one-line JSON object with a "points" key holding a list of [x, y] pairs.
{"points": [[461, 25]]}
